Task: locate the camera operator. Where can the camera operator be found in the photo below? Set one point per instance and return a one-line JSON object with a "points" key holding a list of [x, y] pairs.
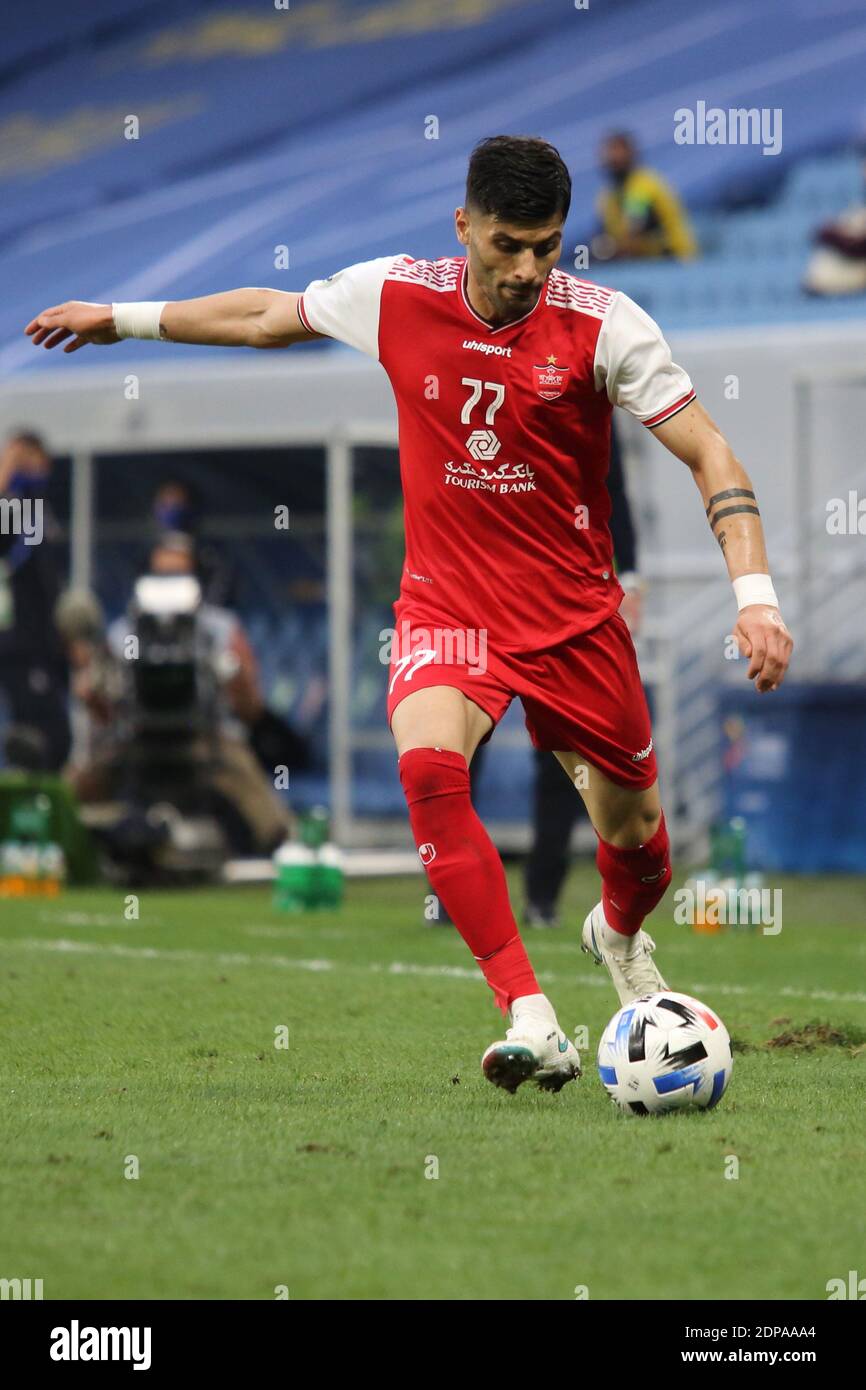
{"points": [[177, 720]]}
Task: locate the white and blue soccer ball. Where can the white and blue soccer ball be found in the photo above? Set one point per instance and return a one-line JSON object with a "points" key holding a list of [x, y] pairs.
{"points": [[665, 1052]]}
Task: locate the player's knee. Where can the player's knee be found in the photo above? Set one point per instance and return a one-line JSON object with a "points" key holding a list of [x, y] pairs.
{"points": [[432, 772], [640, 825], [646, 859], [655, 856], [648, 824]]}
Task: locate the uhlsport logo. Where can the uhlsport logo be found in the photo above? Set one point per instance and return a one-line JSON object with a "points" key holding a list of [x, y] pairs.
{"points": [[426, 853], [550, 381], [489, 349], [77, 1343]]}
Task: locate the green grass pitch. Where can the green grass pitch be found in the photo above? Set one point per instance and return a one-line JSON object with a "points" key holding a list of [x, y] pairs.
{"points": [[305, 1168]]}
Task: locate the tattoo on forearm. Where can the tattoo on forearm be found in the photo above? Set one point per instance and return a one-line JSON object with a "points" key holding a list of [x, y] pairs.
{"points": [[732, 511], [739, 509], [727, 495]]}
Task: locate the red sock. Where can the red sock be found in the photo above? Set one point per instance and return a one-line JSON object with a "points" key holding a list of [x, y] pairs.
{"points": [[634, 880], [464, 868]]}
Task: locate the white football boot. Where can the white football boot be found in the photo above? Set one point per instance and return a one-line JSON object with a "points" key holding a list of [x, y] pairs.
{"points": [[628, 958], [535, 1049]]}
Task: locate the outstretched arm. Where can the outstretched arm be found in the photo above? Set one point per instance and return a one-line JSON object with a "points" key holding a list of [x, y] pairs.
{"points": [[258, 318], [732, 512]]}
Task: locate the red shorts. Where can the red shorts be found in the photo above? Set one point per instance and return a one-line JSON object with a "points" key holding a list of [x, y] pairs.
{"points": [[583, 696]]}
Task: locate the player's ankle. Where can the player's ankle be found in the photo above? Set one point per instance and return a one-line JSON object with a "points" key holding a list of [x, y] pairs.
{"points": [[619, 936], [533, 1007]]}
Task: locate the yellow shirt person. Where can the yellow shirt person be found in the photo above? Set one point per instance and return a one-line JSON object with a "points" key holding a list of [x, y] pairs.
{"points": [[640, 214]]}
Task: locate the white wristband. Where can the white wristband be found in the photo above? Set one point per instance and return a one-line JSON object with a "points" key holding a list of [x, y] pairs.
{"points": [[754, 588], [138, 320]]}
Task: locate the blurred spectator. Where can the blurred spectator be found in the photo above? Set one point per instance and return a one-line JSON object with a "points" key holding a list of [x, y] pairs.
{"points": [[641, 215], [33, 666], [177, 507], [838, 266]]}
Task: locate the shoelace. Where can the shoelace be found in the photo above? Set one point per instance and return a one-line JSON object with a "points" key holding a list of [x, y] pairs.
{"points": [[637, 968], [518, 1032]]}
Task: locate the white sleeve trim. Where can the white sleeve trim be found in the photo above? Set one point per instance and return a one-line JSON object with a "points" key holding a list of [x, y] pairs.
{"points": [[346, 305], [633, 364]]}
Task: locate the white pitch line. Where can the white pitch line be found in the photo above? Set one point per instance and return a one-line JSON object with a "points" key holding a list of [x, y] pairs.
{"points": [[92, 948], [287, 933], [395, 967], [95, 919]]}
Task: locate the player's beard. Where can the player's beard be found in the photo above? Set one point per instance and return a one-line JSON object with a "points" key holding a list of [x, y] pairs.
{"points": [[523, 301], [508, 306]]}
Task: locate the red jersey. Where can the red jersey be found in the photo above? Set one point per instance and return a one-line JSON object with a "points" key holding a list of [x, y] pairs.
{"points": [[504, 438]]}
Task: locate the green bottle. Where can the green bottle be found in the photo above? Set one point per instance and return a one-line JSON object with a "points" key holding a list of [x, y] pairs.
{"points": [[32, 862], [728, 849], [308, 872], [728, 860]]}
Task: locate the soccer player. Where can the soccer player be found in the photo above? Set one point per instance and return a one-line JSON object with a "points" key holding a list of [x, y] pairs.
{"points": [[506, 370]]}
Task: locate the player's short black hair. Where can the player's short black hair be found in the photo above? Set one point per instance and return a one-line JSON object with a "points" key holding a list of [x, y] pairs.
{"points": [[518, 178]]}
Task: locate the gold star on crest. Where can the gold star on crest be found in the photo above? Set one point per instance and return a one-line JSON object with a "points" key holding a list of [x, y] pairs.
{"points": [[551, 360]]}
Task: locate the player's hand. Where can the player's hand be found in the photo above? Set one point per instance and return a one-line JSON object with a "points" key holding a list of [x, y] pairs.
{"points": [[82, 322], [762, 637]]}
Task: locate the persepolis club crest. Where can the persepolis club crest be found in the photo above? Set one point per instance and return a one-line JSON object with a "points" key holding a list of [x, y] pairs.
{"points": [[550, 381]]}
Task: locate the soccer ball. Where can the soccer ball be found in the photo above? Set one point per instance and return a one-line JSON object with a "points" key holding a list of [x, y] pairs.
{"points": [[665, 1052]]}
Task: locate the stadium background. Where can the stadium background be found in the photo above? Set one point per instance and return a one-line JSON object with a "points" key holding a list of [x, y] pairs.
{"points": [[301, 133]]}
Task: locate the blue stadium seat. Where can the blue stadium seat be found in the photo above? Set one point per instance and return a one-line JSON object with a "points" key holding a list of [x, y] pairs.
{"points": [[325, 151]]}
